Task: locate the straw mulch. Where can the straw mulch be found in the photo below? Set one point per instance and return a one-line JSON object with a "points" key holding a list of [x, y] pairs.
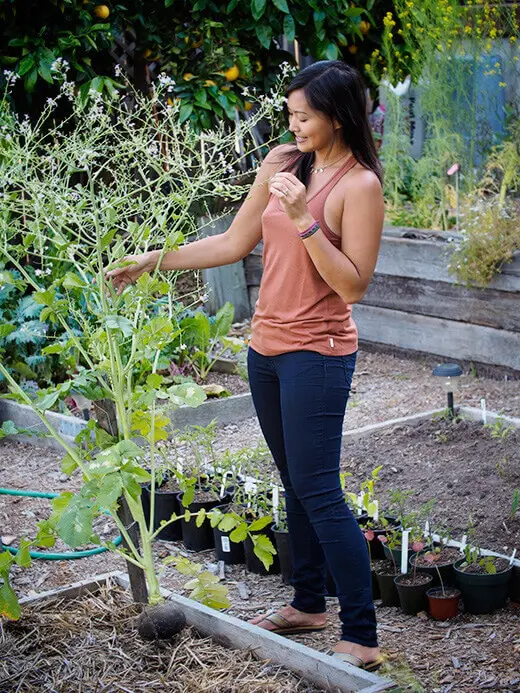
{"points": [[90, 645]]}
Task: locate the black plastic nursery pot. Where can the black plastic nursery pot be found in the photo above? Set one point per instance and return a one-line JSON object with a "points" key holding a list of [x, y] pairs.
{"points": [[166, 504], [283, 549], [412, 597], [253, 563], [395, 555], [443, 606], [446, 571], [376, 547], [482, 593], [231, 552], [199, 538], [514, 585], [387, 589]]}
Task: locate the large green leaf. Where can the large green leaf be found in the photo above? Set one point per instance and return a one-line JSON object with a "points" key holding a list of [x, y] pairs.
{"points": [[258, 8], [187, 394], [9, 605], [44, 402], [75, 524], [110, 488], [281, 5], [223, 320], [289, 27], [259, 524], [264, 34], [118, 322]]}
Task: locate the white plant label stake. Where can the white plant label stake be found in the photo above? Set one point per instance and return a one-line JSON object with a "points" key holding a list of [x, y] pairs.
{"points": [[376, 511], [511, 560], [484, 412], [276, 502], [463, 542], [360, 504], [404, 551]]}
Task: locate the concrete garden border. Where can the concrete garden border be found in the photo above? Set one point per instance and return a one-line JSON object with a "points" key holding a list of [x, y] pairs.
{"points": [[234, 633], [226, 410]]}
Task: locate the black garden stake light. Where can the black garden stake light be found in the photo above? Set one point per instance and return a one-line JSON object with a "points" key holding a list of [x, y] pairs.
{"points": [[450, 374]]}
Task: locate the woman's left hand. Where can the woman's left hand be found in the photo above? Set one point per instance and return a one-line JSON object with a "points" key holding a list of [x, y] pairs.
{"points": [[291, 192]]}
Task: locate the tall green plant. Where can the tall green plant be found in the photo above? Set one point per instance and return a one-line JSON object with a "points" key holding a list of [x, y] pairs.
{"points": [[79, 195]]}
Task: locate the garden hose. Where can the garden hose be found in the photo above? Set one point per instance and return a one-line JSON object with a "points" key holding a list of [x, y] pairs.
{"points": [[64, 555]]}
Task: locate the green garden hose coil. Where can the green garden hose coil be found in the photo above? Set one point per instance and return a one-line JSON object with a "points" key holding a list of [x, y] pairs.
{"points": [[64, 555]]}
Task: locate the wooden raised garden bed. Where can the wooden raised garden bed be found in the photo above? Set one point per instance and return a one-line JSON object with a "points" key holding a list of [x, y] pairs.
{"points": [[414, 303]]}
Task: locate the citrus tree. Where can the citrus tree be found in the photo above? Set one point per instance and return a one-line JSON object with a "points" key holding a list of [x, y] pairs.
{"points": [[212, 48]]}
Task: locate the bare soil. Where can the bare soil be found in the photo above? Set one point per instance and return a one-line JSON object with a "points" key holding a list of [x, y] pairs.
{"points": [[471, 475]]}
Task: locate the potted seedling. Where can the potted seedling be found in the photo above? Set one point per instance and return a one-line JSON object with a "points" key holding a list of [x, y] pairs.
{"points": [[483, 581], [367, 509], [412, 587], [437, 561], [443, 601]]}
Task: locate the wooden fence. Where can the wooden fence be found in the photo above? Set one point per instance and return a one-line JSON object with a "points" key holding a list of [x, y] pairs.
{"points": [[413, 302]]}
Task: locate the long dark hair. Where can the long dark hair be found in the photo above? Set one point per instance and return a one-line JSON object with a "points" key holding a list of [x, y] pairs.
{"points": [[337, 90]]}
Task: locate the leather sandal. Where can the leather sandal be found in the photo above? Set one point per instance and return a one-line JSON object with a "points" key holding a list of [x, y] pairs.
{"points": [[358, 662], [285, 627]]}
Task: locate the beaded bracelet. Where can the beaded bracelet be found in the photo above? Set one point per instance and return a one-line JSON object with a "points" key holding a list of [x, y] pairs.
{"points": [[315, 226]]}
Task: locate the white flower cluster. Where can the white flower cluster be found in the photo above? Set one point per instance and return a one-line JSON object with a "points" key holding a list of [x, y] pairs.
{"points": [[288, 70], [166, 82], [60, 66], [11, 77]]}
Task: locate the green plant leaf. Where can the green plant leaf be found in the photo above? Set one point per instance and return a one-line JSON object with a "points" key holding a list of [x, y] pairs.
{"points": [[281, 5], [259, 524], [75, 524], [9, 606], [227, 523], [6, 329], [258, 8], [45, 402], [110, 489], [264, 34], [68, 465], [23, 556], [289, 27], [118, 322], [223, 320], [72, 281], [239, 533], [201, 516]]}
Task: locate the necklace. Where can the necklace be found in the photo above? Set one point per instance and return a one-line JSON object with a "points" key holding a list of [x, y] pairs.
{"points": [[320, 169]]}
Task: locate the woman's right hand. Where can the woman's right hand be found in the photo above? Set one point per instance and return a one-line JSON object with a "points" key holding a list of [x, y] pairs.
{"points": [[122, 277]]}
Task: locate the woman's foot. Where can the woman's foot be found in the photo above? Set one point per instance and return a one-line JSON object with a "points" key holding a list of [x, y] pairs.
{"points": [[368, 655], [290, 619]]}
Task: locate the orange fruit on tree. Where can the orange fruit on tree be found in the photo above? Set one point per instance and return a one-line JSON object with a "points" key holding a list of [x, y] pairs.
{"points": [[232, 73], [102, 11], [364, 27], [210, 83], [187, 76], [352, 49]]}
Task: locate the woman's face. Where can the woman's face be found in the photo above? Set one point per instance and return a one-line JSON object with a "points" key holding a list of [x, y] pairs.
{"points": [[312, 129]]}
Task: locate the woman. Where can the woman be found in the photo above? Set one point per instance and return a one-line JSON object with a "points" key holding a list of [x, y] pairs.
{"points": [[318, 206]]}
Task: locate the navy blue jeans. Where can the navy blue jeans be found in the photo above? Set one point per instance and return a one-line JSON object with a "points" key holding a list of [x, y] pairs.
{"points": [[300, 399]]}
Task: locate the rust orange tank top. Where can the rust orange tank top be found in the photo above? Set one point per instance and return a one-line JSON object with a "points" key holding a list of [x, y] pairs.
{"points": [[296, 309]]}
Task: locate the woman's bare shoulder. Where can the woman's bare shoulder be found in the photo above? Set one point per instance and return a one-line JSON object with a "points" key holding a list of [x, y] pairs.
{"points": [[281, 153], [361, 180]]}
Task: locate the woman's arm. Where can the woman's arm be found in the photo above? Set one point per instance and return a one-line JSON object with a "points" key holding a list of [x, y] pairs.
{"points": [[238, 241], [348, 270]]}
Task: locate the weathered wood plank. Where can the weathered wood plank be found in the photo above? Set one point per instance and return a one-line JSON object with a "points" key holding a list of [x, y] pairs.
{"points": [[253, 268], [430, 260], [226, 283], [438, 336], [89, 585], [315, 666], [488, 307]]}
